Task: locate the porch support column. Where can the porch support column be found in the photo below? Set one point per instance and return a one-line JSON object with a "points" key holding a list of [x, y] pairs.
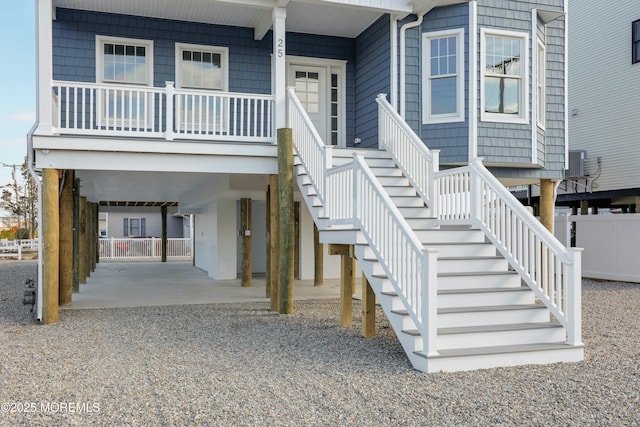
{"points": [[76, 235], [44, 65], [66, 239], [93, 236], [274, 231], [245, 226], [279, 67], [287, 232], [267, 281], [83, 246], [51, 246], [584, 207], [347, 281], [547, 201], [318, 258], [163, 214], [368, 309], [296, 240]]}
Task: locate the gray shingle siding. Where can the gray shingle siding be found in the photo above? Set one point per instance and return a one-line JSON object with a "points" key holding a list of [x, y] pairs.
{"points": [[511, 143], [373, 60], [452, 139]]}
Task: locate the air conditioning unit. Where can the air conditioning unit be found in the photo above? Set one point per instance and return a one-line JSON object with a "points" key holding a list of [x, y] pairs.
{"points": [[576, 163]]}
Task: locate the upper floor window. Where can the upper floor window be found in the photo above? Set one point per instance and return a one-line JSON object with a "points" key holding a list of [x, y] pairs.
{"points": [[201, 67], [504, 76], [127, 61], [541, 67], [635, 42], [443, 94]]}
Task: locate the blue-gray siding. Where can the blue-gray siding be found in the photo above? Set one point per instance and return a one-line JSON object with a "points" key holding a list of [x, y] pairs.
{"points": [[249, 60], [452, 139], [372, 77]]}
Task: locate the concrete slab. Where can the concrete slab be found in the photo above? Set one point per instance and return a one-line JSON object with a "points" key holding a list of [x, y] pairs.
{"points": [[136, 284]]}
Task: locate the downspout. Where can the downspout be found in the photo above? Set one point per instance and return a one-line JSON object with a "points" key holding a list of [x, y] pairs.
{"points": [[393, 93], [473, 80], [36, 178], [566, 85], [403, 31]]}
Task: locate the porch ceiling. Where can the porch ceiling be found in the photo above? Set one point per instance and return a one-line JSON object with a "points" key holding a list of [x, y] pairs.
{"points": [[327, 17]]}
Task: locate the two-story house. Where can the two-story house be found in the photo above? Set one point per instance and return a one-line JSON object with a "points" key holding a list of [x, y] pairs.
{"points": [[153, 101]]}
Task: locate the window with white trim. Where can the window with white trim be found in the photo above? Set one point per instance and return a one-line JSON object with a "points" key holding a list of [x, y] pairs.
{"points": [[203, 69], [541, 100], [503, 89], [134, 227], [443, 93], [635, 42], [127, 63]]}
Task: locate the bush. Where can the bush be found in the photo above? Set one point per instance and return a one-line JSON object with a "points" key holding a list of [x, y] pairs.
{"points": [[7, 234], [22, 234]]}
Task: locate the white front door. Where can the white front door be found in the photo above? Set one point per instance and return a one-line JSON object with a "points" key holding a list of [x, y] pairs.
{"points": [[310, 83]]}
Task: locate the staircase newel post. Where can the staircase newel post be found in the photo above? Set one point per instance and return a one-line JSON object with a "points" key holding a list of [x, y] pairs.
{"points": [[429, 301], [357, 158], [475, 214], [328, 164], [574, 298], [433, 182]]}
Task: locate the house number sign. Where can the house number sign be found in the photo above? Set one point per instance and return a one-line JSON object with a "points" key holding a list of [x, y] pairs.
{"points": [[280, 48]]}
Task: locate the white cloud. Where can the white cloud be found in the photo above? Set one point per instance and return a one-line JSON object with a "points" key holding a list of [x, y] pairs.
{"points": [[23, 116]]}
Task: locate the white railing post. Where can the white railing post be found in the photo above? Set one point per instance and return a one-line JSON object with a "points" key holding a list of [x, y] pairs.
{"points": [[112, 254], [357, 158], [153, 247], [429, 303], [169, 93], [476, 197], [574, 298]]}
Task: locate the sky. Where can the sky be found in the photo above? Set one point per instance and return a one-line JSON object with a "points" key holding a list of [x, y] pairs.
{"points": [[17, 81]]}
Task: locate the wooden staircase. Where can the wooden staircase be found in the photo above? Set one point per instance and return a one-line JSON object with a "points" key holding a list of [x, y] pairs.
{"points": [[486, 317]]}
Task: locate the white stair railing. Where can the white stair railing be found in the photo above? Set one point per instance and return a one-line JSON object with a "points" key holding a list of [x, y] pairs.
{"points": [[472, 195], [316, 157], [409, 267], [417, 162]]}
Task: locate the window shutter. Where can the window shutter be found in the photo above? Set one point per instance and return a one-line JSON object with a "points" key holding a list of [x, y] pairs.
{"points": [[125, 227], [143, 230]]}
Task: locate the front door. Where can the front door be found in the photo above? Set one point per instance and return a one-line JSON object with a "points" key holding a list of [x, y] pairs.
{"points": [[310, 83]]}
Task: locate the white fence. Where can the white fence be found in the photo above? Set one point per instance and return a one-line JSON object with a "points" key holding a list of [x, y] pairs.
{"points": [[13, 248], [116, 249], [611, 244]]}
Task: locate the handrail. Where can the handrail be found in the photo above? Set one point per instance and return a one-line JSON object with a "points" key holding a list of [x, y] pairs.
{"points": [[161, 112], [316, 157], [473, 195], [417, 162], [409, 267]]}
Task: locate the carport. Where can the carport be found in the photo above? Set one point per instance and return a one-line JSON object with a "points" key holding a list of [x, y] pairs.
{"points": [[136, 284]]}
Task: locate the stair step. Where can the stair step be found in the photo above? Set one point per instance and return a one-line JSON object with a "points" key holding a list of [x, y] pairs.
{"points": [[479, 279], [448, 298], [380, 171], [475, 263], [402, 190], [492, 315], [421, 223], [442, 235], [414, 211], [464, 249], [397, 181], [498, 356], [407, 201]]}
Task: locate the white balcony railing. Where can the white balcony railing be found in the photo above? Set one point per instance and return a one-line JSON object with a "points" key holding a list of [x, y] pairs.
{"points": [[135, 111]]}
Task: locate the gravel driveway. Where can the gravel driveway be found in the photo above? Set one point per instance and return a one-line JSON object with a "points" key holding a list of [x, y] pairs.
{"points": [[240, 364]]}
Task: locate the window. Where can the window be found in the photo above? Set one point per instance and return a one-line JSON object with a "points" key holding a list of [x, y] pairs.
{"points": [[201, 67], [134, 227], [443, 96], [504, 76], [635, 42], [541, 67], [127, 63]]}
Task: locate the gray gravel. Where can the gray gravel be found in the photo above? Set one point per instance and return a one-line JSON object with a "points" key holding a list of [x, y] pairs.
{"points": [[240, 364]]}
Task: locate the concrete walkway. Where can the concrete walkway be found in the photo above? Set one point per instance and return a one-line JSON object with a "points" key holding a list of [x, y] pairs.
{"points": [[136, 284]]}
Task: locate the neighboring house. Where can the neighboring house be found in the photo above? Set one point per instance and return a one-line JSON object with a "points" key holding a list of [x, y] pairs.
{"points": [[147, 102], [130, 222], [604, 78]]}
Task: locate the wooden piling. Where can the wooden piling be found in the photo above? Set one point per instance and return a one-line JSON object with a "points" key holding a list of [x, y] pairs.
{"points": [[296, 240], [65, 287], [347, 281], [285, 200], [83, 247], [163, 214], [246, 230], [318, 258], [76, 235], [267, 281], [51, 246], [368, 309], [547, 202], [274, 285], [93, 236]]}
